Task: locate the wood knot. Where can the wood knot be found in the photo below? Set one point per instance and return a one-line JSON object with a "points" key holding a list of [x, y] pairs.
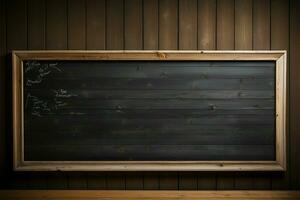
{"points": [[161, 55]]}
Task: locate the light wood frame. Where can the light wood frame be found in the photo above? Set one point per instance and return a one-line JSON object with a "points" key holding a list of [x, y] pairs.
{"points": [[20, 164]]}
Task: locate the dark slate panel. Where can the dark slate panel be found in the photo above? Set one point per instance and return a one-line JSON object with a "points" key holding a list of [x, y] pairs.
{"points": [[149, 110]]}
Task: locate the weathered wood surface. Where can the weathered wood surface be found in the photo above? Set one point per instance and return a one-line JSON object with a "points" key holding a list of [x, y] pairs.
{"points": [[142, 110]]}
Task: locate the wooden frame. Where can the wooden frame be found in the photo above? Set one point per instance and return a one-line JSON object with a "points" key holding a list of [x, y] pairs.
{"points": [[18, 140]]}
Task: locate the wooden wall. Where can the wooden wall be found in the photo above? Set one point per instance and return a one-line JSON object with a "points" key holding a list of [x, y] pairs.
{"points": [[151, 24]]}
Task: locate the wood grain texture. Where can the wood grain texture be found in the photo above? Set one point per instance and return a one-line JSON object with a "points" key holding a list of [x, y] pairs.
{"points": [[243, 41], [3, 88], [187, 24], [96, 24], [261, 24], [115, 24], [294, 93], [150, 24], [280, 40], [207, 12], [77, 40], [56, 38], [96, 39], [168, 25], [56, 24], [133, 25], [76, 24], [243, 24], [261, 41], [36, 24], [93, 195], [225, 24], [225, 40], [16, 38]]}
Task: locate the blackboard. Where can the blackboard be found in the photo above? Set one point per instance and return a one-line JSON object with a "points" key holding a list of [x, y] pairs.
{"points": [[149, 110], [129, 110]]}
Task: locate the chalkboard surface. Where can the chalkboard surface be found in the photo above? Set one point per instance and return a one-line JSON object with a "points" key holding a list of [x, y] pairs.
{"points": [[149, 110]]}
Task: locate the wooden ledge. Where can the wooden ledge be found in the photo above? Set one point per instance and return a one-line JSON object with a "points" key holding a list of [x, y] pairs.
{"points": [[146, 195]]}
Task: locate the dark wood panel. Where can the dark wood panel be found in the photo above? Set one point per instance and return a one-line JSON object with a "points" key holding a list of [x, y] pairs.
{"points": [[243, 24], [56, 24], [133, 25], [36, 24], [77, 40], [76, 24], [96, 180], [3, 98], [280, 40], [115, 24], [294, 93], [95, 36], [187, 24], [148, 152], [225, 41], [168, 24], [225, 24], [243, 41], [261, 41], [261, 24], [133, 41], [150, 24], [56, 38], [207, 24], [96, 24], [16, 39]]}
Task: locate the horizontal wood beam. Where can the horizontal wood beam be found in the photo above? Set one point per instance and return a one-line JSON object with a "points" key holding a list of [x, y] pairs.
{"points": [[98, 194]]}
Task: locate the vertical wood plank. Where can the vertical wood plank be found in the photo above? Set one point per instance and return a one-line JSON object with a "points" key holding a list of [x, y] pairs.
{"points": [[243, 181], [16, 30], [151, 181], [225, 24], [168, 24], [95, 24], [243, 41], [115, 24], [150, 24], [133, 25], [16, 25], [3, 90], [225, 41], [243, 24], [294, 93], [280, 40], [261, 24], [116, 181], [150, 41], [77, 180], [76, 24], [36, 24], [115, 40], [134, 181], [96, 180], [188, 24], [76, 40], [168, 181], [36, 41], [207, 41], [207, 24], [187, 41], [56, 38], [168, 39], [134, 41], [188, 181], [56, 24], [261, 41]]}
